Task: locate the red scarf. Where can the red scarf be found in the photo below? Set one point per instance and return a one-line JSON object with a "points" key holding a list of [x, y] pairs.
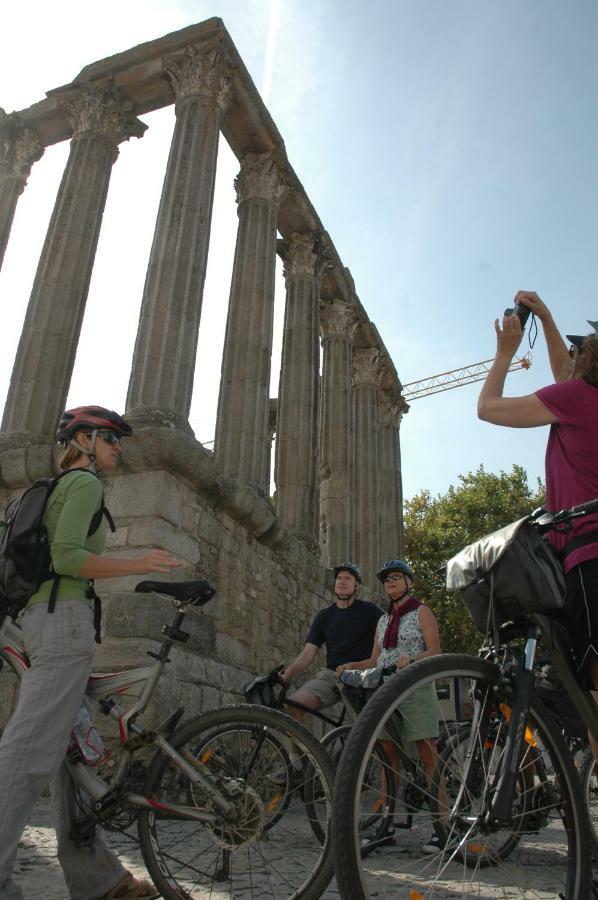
{"points": [[391, 634]]}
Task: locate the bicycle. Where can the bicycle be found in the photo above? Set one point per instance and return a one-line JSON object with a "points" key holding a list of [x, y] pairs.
{"points": [[381, 788], [505, 801], [201, 802]]}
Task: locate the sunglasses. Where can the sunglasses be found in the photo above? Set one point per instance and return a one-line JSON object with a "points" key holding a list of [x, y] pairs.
{"points": [[396, 577], [110, 437]]}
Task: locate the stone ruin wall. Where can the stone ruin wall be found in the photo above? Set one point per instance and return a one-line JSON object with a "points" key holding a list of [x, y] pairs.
{"points": [[337, 434]]}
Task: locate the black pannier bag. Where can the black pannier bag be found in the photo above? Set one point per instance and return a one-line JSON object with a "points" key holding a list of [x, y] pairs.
{"points": [[507, 574]]}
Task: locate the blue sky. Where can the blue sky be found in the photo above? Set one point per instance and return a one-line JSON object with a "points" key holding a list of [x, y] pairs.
{"points": [[449, 146]]}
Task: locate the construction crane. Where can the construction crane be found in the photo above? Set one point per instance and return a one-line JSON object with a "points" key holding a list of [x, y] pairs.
{"points": [[446, 381]]}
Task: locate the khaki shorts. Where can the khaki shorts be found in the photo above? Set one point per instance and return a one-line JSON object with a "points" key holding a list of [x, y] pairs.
{"points": [[325, 686], [419, 716]]}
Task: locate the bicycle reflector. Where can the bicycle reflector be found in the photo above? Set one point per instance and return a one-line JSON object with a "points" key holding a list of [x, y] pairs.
{"points": [[529, 735]]}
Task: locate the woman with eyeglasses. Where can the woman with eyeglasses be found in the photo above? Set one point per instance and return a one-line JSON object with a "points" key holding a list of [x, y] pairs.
{"points": [[570, 407], [407, 633], [59, 629]]}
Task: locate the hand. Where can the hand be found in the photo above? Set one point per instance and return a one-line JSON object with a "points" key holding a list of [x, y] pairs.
{"points": [[509, 336], [282, 676], [343, 667], [403, 661], [533, 302], [156, 561]]}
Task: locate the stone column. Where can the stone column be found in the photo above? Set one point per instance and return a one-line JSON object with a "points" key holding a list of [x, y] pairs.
{"points": [[48, 344], [338, 321], [241, 443], [391, 487], [366, 380], [296, 471], [20, 147], [161, 383]]}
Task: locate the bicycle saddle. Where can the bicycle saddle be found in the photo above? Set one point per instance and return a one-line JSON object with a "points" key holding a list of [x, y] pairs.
{"points": [[196, 592]]}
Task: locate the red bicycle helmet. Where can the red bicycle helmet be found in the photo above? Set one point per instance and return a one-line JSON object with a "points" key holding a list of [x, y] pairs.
{"points": [[89, 418]]}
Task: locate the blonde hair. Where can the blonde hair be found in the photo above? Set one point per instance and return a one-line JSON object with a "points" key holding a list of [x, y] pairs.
{"points": [[586, 362]]}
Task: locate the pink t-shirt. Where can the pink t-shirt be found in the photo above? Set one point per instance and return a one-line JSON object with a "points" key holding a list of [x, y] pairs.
{"points": [[572, 458]]}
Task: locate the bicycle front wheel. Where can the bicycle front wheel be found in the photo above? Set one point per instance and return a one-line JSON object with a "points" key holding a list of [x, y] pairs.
{"points": [[454, 846], [270, 848]]}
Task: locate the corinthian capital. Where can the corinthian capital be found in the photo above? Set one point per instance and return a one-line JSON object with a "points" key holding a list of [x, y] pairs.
{"points": [[368, 367], [20, 147], [101, 110], [200, 72], [299, 256], [392, 409], [260, 178], [338, 318]]}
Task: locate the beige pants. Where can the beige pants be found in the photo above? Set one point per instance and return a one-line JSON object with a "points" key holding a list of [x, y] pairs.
{"points": [[60, 648]]}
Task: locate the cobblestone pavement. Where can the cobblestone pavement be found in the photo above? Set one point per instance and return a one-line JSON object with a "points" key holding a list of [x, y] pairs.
{"points": [[37, 869], [40, 875]]}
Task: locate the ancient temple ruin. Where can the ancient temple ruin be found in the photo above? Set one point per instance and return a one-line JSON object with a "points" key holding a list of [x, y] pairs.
{"points": [[337, 465]]}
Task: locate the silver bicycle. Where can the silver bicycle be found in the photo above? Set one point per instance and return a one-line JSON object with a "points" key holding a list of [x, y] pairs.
{"points": [[220, 807]]}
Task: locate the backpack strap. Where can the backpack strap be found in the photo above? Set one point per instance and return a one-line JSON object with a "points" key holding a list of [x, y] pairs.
{"points": [[588, 537], [94, 524]]}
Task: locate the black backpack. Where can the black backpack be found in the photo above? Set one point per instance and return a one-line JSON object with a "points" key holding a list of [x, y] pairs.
{"points": [[25, 561]]}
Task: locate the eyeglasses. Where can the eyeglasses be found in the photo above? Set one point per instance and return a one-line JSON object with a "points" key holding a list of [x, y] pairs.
{"points": [[396, 576], [110, 437]]}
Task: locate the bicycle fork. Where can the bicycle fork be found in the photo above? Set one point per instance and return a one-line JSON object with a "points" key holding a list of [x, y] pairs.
{"points": [[504, 793]]}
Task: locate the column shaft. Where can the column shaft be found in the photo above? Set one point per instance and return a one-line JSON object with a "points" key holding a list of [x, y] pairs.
{"points": [[161, 384], [19, 149], [48, 344], [241, 444], [337, 537], [391, 487], [299, 393], [366, 463]]}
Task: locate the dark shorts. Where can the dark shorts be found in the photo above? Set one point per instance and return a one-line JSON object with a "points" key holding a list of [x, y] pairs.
{"points": [[581, 614]]}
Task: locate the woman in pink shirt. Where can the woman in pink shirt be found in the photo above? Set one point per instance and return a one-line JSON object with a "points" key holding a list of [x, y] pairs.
{"points": [[570, 407]]}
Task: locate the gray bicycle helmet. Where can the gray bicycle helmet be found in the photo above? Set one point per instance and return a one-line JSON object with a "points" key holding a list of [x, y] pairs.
{"points": [[348, 567], [394, 565]]}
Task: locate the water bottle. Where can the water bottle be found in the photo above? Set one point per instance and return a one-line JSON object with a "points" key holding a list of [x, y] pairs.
{"points": [[85, 739]]}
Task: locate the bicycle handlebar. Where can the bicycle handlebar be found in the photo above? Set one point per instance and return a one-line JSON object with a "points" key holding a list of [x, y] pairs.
{"points": [[546, 521]]}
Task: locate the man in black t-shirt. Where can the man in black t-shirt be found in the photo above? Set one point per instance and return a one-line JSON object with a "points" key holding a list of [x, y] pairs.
{"points": [[347, 627]]}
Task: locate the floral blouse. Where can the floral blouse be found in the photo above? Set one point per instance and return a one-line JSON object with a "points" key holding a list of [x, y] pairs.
{"points": [[410, 641]]}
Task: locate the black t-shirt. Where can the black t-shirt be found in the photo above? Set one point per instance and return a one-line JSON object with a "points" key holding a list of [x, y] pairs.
{"points": [[347, 633]]}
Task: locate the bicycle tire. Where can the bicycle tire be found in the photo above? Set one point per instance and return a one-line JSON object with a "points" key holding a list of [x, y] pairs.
{"points": [[379, 795], [554, 848], [191, 859], [588, 775]]}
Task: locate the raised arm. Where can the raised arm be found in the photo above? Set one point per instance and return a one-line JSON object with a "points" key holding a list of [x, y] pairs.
{"points": [[558, 353], [516, 412]]}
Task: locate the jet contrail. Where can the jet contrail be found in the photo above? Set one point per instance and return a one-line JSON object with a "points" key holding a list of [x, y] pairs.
{"points": [[273, 19]]}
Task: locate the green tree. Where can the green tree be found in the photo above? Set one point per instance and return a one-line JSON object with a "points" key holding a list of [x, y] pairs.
{"points": [[438, 527]]}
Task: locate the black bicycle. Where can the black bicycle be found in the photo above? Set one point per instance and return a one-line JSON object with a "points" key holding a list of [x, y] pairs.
{"points": [[505, 803]]}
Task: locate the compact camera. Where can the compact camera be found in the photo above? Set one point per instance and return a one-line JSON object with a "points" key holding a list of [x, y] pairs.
{"points": [[520, 310]]}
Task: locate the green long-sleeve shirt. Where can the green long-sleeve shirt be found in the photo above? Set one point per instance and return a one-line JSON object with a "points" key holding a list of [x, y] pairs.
{"points": [[67, 517]]}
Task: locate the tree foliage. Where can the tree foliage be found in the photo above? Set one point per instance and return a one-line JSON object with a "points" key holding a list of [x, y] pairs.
{"points": [[438, 527]]}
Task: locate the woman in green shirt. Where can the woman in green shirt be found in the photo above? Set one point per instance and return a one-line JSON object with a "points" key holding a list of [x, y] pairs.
{"points": [[60, 650]]}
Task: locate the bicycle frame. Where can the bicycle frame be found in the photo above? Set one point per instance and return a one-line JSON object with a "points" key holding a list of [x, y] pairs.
{"points": [[100, 690]]}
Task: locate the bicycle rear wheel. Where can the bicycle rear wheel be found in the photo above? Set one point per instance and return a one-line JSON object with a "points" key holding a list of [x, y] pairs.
{"points": [[272, 850], [546, 840]]}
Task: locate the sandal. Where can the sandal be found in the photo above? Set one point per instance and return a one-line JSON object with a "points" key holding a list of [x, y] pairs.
{"points": [[131, 888]]}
